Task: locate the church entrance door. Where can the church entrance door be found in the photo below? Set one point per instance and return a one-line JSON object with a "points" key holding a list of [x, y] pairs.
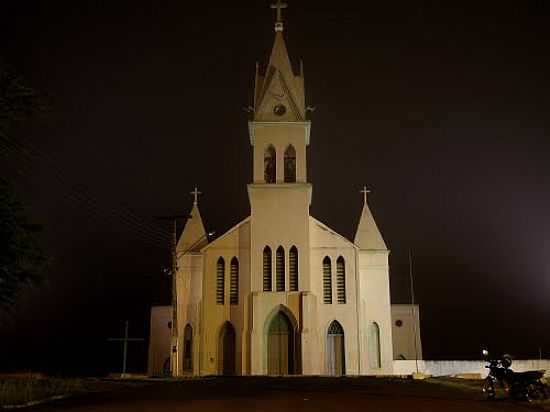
{"points": [[335, 350], [226, 350], [280, 346], [188, 348]]}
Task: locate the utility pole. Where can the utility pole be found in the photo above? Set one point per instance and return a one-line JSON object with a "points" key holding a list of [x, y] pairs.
{"points": [[125, 341], [173, 272], [413, 310]]}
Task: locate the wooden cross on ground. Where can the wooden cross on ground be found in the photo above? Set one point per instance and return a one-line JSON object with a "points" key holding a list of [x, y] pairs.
{"points": [[125, 341]]}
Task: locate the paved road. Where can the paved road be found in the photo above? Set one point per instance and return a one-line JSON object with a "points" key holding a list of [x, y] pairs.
{"points": [[282, 394]]}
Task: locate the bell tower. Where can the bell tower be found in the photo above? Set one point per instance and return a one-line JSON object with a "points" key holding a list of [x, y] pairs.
{"points": [[279, 131], [279, 134]]}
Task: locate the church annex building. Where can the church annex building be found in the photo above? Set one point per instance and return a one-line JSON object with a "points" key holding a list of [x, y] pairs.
{"points": [[280, 293]]}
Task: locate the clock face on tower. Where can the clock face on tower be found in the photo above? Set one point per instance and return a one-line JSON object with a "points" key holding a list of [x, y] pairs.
{"points": [[279, 110]]}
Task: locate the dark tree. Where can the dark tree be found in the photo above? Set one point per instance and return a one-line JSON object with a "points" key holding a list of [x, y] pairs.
{"points": [[17, 101], [21, 259]]}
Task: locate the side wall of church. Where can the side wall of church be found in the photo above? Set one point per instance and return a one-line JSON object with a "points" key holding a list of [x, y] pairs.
{"points": [[234, 244], [405, 329], [189, 289], [375, 313], [159, 340], [325, 243]]}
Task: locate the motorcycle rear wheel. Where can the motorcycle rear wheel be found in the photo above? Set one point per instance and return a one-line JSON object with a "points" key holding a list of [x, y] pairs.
{"points": [[536, 391]]}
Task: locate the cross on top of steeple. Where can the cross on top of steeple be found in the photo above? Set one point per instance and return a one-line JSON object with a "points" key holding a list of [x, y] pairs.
{"points": [[279, 6], [195, 193], [365, 191]]}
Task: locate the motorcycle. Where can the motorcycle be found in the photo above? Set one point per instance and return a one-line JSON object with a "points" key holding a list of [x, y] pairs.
{"points": [[517, 385]]}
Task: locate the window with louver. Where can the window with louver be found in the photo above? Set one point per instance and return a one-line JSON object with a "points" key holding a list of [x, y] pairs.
{"points": [[220, 282], [290, 164], [293, 269], [234, 282], [270, 165], [267, 269], [341, 280], [280, 269], [327, 281]]}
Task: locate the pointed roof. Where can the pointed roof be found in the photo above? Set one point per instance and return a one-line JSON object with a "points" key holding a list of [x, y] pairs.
{"points": [[368, 236], [279, 84], [280, 60], [194, 236]]}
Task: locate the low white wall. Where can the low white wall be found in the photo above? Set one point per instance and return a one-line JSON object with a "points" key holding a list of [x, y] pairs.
{"points": [[451, 368]]}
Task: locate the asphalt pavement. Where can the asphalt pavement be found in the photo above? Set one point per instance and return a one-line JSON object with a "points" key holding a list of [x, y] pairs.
{"points": [[294, 394]]}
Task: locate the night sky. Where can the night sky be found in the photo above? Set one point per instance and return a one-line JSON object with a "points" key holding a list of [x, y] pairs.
{"points": [[443, 111]]}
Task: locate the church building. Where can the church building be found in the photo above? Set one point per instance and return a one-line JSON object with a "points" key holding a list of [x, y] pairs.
{"points": [[281, 292]]}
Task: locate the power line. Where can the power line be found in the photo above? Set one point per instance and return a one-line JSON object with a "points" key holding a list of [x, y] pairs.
{"points": [[24, 148], [21, 149], [152, 233]]}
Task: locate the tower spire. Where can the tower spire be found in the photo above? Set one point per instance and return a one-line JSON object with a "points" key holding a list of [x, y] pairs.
{"points": [[194, 236], [368, 236], [279, 6], [279, 93]]}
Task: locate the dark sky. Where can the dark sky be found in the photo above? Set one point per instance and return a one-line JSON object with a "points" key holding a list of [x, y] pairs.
{"points": [[442, 110]]}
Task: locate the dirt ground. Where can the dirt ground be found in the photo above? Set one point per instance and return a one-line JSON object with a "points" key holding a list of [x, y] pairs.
{"points": [[287, 395]]}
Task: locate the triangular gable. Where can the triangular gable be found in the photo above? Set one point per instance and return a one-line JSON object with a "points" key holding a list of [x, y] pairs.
{"points": [[277, 91], [220, 238], [279, 86], [333, 232]]}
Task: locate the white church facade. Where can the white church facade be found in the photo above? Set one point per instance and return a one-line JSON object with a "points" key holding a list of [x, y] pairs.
{"points": [[279, 293]]}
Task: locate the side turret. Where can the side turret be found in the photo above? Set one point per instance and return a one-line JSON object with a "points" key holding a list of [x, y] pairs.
{"points": [[368, 237]]}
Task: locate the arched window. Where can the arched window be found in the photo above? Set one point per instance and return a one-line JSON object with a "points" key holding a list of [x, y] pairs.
{"points": [[341, 280], [290, 164], [373, 341], [280, 269], [267, 269], [293, 269], [234, 282], [327, 281], [270, 165], [220, 282], [335, 328]]}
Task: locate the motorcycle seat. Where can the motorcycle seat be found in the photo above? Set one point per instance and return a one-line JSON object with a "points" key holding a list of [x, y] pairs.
{"points": [[529, 375]]}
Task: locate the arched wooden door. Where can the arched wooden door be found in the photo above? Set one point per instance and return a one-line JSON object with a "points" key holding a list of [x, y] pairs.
{"points": [[188, 348], [336, 365], [280, 346], [226, 350]]}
